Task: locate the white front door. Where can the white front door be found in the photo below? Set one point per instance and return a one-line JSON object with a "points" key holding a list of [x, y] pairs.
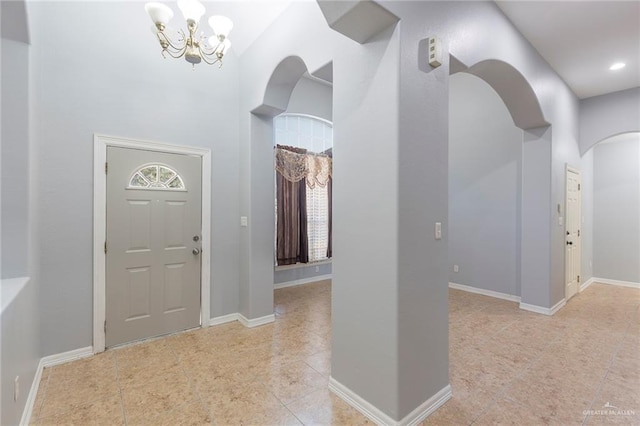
{"points": [[153, 244], [572, 233]]}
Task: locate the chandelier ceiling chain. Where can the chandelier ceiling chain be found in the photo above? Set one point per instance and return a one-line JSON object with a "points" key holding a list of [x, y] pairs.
{"points": [[193, 47]]}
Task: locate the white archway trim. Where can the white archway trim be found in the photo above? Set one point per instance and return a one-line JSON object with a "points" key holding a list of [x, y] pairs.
{"points": [[100, 144]]}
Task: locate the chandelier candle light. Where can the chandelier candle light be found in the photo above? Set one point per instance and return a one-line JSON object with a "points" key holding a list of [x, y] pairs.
{"points": [[195, 48]]}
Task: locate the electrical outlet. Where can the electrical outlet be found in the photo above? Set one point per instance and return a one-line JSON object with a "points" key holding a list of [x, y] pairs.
{"points": [[317, 269], [435, 52], [456, 268], [16, 388]]}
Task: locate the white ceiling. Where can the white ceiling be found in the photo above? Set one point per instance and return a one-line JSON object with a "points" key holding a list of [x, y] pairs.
{"points": [[581, 39]]}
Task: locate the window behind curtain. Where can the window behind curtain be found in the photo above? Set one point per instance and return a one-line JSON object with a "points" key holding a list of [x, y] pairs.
{"points": [[315, 135], [318, 223]]}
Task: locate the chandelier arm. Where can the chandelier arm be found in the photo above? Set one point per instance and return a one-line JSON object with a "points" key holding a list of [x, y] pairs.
{"points": [[177, 54], [205, 48], [206, 57], [171, 43]]}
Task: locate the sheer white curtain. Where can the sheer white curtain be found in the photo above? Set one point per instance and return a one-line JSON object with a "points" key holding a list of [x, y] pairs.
{"points": [[318, 222]]}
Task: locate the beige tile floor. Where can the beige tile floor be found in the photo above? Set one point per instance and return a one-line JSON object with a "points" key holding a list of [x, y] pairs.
{"points": [[508, 366]]}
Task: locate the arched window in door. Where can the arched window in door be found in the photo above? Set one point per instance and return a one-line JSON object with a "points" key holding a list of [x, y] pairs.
{"points": [[156, 176]]}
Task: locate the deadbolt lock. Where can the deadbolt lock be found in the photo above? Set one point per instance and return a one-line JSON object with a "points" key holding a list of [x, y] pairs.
{"points": [[196, 238]]}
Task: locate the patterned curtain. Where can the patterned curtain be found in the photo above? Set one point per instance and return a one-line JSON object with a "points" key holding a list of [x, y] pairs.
{"points": [[295, 164], [295, 171], [330, 195], [329, 153], [291, 226]]}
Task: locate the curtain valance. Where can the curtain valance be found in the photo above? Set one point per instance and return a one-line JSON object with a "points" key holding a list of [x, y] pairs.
{"points": [[296, 164]]}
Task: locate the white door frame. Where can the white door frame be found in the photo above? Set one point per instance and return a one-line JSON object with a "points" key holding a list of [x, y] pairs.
{"points": [[571, 169], [100, 144]]}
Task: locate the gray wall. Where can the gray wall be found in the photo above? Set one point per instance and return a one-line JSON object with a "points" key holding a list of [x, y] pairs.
{"points": [[537, 216], [616, 210], [608, 115], [313, 98], [20, 350], [586, 174], [365, 291], [15, 159], [120, 85], [485, 152], [19, 329], [301, 273]]}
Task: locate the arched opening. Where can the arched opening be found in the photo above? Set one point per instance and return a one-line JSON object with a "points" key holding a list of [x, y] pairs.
{"points": [[507, 214], [485, 167], [611, 210], [280, 87], [297, 112], [514, 90]]}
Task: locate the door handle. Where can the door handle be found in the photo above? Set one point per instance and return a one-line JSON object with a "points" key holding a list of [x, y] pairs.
{"points": [[195, 251]]}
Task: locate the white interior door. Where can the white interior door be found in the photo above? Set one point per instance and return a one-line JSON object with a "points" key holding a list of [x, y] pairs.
{"points": [[572, 234], [153, 244]]}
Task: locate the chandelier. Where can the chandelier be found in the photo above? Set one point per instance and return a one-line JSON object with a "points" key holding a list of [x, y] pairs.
{"points": [[194, 47]]}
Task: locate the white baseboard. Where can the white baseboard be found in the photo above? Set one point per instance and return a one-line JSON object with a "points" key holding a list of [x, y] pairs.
{"points": [[223, 319], [616, 282], [250, 323], [555, 308], [586, 284], [484, 292], [57, 359], [50, 361], [303, 281], [382, 419], [356, 401], [255, 322], [427, 408], [542, 310], [31, 398]]}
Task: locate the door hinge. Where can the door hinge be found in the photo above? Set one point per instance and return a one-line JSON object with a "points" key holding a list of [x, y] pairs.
{"points": [[578, 187], [105, 326], [578, 232], [578, 278], [105, 247], [106, 168]]}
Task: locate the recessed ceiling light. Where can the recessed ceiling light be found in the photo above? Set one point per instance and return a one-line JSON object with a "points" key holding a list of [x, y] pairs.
{"points": [[617, 66]]}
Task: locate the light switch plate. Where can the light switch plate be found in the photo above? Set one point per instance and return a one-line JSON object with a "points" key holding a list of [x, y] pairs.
{"points": [[16, 388], [243, 221], [438, 231]]}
